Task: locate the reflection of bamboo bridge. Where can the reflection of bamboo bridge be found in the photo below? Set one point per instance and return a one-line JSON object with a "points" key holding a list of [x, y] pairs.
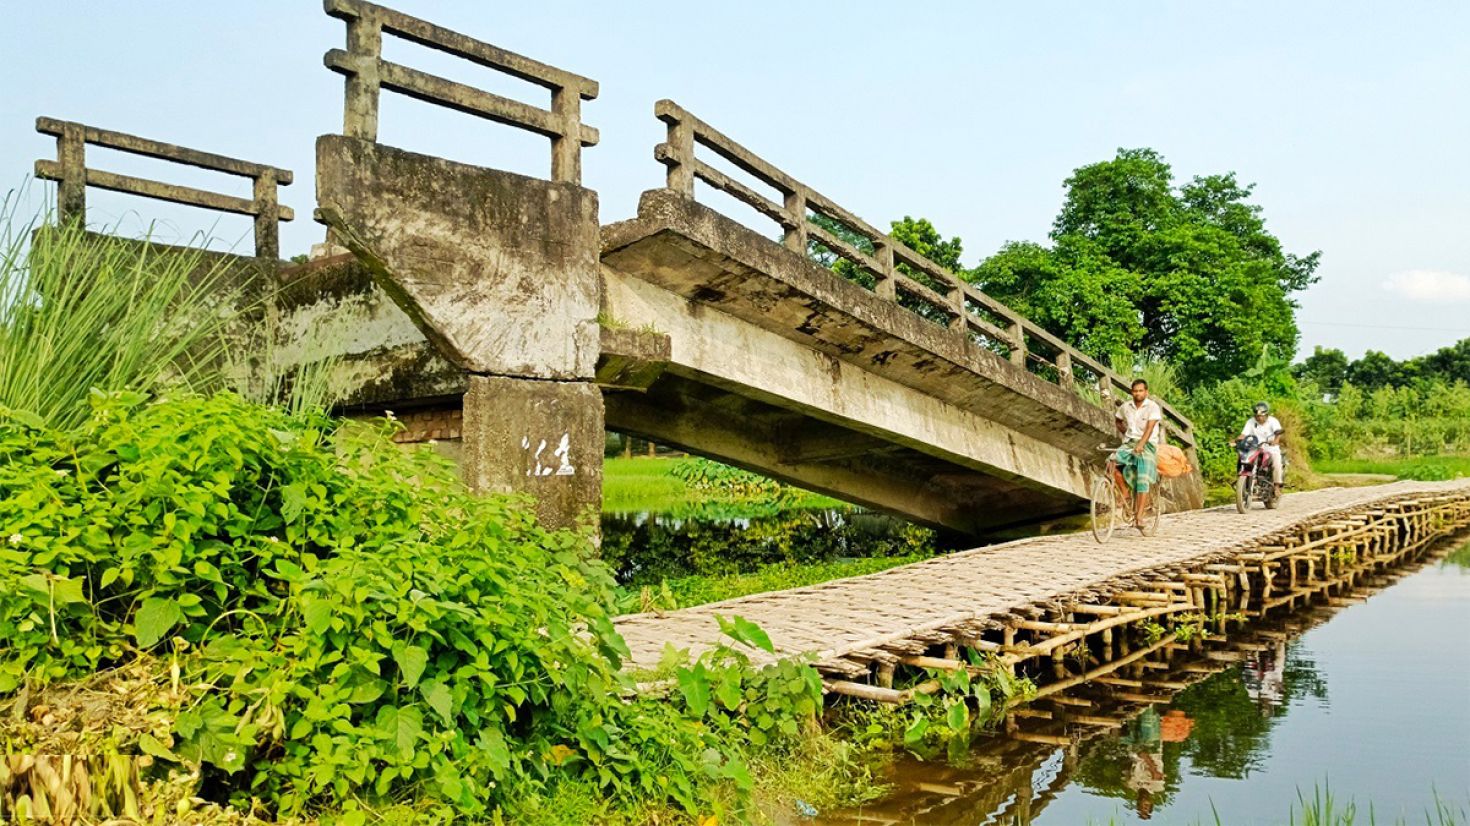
{"points": [[1069, 609], [1035, 751]]}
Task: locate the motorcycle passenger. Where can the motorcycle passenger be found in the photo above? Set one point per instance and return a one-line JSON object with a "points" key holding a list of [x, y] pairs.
{"points": [[1139, 421], [1267, 431]]}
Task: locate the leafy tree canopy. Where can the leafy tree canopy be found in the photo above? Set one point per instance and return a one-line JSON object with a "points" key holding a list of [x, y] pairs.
{"points": [[1326, 367], [1185, 273]]}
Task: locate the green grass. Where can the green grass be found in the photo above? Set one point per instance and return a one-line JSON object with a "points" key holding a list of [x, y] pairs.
{"points": [[698, 590], [1407, 467], [636, 485]]}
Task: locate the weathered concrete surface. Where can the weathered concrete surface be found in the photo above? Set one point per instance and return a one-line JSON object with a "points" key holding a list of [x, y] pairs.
{"points": [[498, 270], [543, 438], [845, 355], [631, 359], [718, 340], [751, 397], [498, 274], [381, 360]]}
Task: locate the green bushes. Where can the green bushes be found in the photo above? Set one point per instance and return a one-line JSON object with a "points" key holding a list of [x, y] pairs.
{"points": [[1423, 419], [352, 621], [645, 551]]}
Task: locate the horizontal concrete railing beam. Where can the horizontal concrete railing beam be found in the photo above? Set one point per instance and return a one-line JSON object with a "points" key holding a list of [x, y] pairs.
{"points": [[949, 296]]}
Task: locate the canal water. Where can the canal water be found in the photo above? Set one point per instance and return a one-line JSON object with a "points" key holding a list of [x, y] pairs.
{"points": [[1373, 703]]}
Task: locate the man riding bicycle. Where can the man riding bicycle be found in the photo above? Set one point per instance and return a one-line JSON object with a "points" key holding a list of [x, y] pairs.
{"points": [[1139, 422], [1267, 431]]}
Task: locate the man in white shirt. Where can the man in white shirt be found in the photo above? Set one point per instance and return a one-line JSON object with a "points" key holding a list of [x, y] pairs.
{"points": [[1139, 421], [1267, 431]]}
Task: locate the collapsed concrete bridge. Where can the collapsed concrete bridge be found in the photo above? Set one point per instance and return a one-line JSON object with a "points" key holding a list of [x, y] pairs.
{"points": [[493, 312]]}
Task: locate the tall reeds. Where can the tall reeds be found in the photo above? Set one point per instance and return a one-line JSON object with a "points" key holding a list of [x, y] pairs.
{"points": [[80, 311]]}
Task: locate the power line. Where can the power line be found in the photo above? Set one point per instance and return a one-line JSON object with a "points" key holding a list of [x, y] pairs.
{"points": [[1385, 326]]}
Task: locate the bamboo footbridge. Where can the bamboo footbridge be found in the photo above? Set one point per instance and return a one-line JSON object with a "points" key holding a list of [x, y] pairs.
{"points": [[1081, 607], [1016, 770]]}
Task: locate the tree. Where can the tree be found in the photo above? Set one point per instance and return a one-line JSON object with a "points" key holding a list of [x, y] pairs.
{"points": [[1327, 368], [921, 237], [1449, 363], [1190, 275], [1375, 370], [1074, 292]]}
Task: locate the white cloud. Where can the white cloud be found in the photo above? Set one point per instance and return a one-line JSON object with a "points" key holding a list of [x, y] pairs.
{"points": [[1429, 285]]}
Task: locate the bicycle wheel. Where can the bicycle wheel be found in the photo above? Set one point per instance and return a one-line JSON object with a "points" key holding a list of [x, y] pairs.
{"points": [[1153, 515], [1104, 507]]}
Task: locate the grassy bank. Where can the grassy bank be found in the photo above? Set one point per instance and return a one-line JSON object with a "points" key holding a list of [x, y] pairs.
{"points": [[1408, 467], [653, 485]]}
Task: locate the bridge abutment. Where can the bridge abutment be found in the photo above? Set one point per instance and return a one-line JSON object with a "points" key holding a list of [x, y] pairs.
{"points": [[499, 272]]}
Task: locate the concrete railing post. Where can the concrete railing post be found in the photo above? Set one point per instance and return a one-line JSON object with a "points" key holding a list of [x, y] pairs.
{"points": [[1064, 370], [71, 190], [566, 148], [959, 321], [1018, 343], [887, 287], [267, 217], [795, 236], [363, 87], [681, 151]]}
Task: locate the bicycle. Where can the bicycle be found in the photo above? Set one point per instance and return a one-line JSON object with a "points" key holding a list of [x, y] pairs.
{"points": [[1113, 498]]}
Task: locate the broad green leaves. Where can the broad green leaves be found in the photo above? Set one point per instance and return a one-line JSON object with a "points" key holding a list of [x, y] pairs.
{"points": [[745, 631], [411, 661], [53, 590], [766, 705], [400, 726], [366, 626], [156, 618]]}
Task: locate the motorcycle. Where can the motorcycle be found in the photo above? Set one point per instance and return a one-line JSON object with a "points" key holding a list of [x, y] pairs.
{"points": [[1253, 481]]}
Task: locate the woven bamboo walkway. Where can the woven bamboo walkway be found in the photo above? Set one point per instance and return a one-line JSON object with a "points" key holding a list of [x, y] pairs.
{"points": [[845, 617]]}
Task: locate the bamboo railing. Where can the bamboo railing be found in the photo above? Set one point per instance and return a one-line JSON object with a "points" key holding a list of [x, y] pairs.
{"points": [[73, 176], [897, 270], [368, 73]]}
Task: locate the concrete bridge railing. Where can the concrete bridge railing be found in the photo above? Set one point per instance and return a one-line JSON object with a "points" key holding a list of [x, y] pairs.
{"points": [[73, 176], [495, 307], [368, 73], [900, 274]]}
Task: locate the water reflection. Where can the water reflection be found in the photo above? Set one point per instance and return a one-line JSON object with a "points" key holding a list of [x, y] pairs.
{"points": [[1254, 709]]}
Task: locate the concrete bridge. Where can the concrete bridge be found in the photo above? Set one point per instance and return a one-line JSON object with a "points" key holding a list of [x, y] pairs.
{"points": [[494, 313]]}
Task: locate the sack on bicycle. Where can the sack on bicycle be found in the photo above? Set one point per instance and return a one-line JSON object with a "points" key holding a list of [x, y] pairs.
{"points": [[1172, 462]]}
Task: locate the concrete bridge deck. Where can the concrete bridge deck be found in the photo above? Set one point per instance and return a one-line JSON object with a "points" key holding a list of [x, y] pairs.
{"points": [[851, 624]]}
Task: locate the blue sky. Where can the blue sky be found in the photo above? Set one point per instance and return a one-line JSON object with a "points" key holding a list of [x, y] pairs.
{"points": [[1351, 118]]}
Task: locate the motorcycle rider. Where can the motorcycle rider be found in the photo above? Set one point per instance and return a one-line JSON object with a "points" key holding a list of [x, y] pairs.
{"points": [[1267, 431]]}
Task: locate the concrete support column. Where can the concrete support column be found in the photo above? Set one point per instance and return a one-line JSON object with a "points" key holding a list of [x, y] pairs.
{"points": [[543, 438]]}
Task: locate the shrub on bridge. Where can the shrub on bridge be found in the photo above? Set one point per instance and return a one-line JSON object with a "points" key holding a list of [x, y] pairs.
{"points": [[347, 620]]}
